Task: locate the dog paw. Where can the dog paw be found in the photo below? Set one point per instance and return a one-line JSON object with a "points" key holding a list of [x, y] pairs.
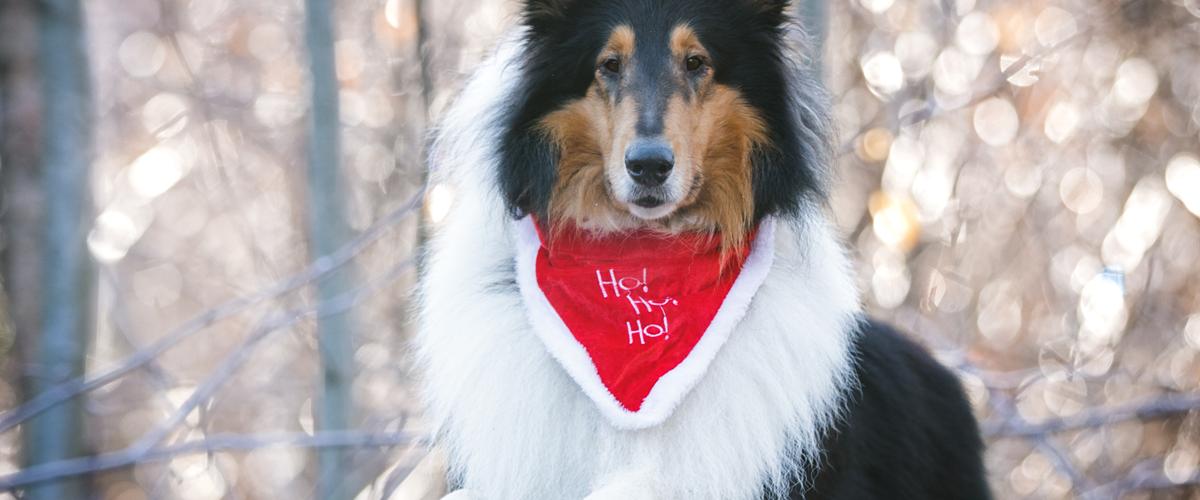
{"points": [[460, 495]]}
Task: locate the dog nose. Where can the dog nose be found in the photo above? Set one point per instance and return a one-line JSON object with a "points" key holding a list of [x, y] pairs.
{"points": [[649, 163]]}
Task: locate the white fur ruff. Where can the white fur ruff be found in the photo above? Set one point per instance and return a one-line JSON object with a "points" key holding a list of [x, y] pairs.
{"points": [[516, 426]]}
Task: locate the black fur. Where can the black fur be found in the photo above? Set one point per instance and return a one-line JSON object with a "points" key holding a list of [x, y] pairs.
{"points": [[747, 41], [908, 431]]}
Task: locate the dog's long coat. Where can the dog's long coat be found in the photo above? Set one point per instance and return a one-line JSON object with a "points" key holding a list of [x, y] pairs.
{"points": [[804, 399]]}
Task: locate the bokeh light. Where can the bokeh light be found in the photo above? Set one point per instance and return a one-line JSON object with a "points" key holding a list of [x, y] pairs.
{"points": [[1032, 175], [1018, 182]]}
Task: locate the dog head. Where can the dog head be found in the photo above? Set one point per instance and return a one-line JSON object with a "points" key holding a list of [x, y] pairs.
{"points": [[664, 114]]}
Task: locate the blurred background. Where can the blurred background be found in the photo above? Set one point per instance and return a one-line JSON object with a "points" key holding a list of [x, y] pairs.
{"points": [[206, 271]]}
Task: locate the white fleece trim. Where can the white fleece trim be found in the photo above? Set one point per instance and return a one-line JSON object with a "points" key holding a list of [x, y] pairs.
{"points": [[675, 384]]}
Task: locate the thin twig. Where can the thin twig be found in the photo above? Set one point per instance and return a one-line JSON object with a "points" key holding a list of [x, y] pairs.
{"points": [[1146, 475], [337, 304], [317, 270], [1155, 409], [215, 443], [1062, 462], [146, 445], [929, 109]]}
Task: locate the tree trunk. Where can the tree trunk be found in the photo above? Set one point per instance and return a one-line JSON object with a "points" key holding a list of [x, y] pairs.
{"points": [[66, 272], [328, 232]]}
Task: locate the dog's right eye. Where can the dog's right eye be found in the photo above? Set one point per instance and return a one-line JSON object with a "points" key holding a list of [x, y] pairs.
{"points": [[611, 65]]}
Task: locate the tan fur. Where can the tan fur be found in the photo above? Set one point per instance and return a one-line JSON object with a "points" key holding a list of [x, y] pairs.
{"points": [[621, 42], [583, 133], [685, 43], [712, 132], [722, 130]]}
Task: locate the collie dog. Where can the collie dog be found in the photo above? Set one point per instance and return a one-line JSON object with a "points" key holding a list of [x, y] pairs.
{"points": [[636, 292]]}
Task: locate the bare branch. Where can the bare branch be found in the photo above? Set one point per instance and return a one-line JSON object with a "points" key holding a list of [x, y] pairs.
{"points": [[1062, 461], [335, 305], [145, 446], [317, 270], [215, 443], [929, 109], [1154, 409], [1147, 475]]}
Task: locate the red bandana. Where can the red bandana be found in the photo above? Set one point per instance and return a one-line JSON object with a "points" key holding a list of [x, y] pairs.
{"points": [[636, 318]]}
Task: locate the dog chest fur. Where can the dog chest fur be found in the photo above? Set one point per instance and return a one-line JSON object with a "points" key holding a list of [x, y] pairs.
{"points": [[517, 427]]}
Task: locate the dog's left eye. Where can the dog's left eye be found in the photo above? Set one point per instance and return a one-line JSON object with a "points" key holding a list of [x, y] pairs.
{"points": [[695, 63]]}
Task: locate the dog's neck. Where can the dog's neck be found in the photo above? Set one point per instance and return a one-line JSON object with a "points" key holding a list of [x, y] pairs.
{"points": [[514, 423], [517, 426]]}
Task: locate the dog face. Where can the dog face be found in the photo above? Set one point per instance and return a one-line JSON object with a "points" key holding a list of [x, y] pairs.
{"points": [[655, 137], [666, 114]]}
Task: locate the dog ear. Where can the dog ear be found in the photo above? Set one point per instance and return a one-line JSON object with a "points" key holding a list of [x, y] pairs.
{"points": [[528, 157], [774, 7], [545, 10], [528, 162], [772, 13], [794, 169], [543, 16]]}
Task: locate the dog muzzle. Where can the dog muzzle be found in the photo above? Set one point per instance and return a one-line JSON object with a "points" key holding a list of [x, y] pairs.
{"points": [[636, 318]]}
